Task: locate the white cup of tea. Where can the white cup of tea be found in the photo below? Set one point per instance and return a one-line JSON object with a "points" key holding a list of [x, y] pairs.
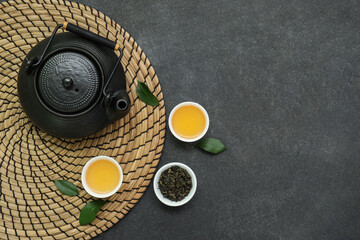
{"points": [[188, 121], [102, 176]]}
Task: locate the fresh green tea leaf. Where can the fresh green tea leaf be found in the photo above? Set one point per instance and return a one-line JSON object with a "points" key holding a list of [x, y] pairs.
{"points": [[89, 211], [211, 145], [145, 95], [66, 187]]}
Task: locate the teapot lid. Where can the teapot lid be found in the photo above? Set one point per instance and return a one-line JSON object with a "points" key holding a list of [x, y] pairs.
{"points": [[68, 82]]}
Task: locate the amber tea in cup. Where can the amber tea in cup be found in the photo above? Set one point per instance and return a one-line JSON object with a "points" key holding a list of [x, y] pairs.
{"points": [[101, 176], [189, 121]]}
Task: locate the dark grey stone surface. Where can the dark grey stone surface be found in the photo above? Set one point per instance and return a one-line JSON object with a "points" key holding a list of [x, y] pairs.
{"points": [[280, 80], [281, 83]]}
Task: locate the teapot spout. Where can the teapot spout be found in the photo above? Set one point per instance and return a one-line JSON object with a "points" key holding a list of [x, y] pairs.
{"points": [[116, 105], [122, 104]]}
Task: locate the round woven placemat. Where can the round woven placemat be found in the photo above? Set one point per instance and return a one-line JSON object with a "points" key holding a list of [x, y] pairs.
{"points": [[30, 205]]}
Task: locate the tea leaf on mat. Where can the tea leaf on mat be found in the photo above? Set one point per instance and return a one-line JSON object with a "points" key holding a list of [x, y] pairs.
{"points": [[66, 187], [145, 95], [211, 145], [89, 211]]}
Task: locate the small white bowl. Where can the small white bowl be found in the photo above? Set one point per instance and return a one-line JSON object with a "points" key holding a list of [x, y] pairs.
{"points": [[167, 201], [189, 104], [83, 179]]}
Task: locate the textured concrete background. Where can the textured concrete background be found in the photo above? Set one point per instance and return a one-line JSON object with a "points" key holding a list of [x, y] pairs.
{"points": [[281, 83], [280, 80]]}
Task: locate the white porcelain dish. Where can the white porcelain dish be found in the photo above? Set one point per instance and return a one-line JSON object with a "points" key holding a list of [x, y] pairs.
{"points": [[189, 104], [88, 189], [167, 201]]}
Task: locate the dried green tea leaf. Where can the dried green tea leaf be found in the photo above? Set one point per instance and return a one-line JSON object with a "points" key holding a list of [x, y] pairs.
{"points": [[145, 95], [89, 211], [175, 183], [66, 187], [211, 145]]}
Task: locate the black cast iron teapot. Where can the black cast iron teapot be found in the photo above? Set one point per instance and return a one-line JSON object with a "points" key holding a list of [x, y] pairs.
{"points": [[72, 84]]}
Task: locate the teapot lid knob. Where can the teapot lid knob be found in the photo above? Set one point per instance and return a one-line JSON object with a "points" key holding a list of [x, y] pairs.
{"points": [[67, 82]]}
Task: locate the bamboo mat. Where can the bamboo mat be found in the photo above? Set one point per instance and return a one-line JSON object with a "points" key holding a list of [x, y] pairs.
{"points": [[30, 205]]}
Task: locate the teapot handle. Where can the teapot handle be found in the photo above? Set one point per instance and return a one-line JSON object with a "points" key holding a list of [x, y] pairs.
{"points": [[91, 36], [35, 61]]}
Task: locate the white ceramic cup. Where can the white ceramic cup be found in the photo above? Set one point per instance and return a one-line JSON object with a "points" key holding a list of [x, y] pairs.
{"points": [[88, 189], [206, 121], [167, 201]]}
